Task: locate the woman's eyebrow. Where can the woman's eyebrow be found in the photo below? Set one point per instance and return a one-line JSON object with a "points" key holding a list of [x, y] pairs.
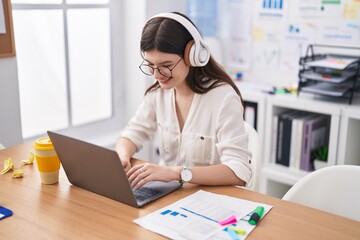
{"points": [[162, 63]]}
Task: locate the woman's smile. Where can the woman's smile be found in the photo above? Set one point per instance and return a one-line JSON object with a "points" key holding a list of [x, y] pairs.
{"points": [[164, 80]]}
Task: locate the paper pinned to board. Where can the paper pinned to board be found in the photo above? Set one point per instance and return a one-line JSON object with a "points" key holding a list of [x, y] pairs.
{"points": [[2, 19]]}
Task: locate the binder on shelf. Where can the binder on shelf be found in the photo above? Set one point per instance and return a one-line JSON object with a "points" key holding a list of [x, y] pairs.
{"points": [[284, 137], [316, 134], [274, 138], [250, 113], [279, 141], [297, 138], [293, 141]]}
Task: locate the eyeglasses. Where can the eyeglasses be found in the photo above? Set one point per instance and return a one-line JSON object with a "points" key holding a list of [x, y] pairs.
{"points": [[163, 70]]}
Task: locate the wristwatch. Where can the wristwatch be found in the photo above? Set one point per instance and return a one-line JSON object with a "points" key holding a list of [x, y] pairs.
{"points": [[186, 175]]}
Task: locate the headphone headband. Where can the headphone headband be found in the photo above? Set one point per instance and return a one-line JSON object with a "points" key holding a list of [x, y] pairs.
{"points": [[197, 53], [183, 21]]}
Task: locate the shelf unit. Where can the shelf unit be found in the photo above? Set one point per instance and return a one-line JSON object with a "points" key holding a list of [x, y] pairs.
{"points": [[349, 135], [274, 173], [329, 75], [344, 138]]}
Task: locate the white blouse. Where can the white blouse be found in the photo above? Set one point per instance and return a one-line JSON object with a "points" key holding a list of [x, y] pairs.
{"points": [[213, 132]]}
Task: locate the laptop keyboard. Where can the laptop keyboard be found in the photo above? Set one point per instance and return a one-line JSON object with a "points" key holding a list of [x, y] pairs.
{"points": [[145, 193]]}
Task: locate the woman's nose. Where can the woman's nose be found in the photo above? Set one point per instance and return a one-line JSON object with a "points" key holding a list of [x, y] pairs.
{"points": [[157, 75]]}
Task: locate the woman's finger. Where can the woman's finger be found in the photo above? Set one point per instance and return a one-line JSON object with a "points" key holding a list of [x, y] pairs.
{"points": [[143, 181], [138, 177], [133, 170]]}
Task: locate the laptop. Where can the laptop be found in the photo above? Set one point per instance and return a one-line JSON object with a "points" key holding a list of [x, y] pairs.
{"points": [[99, 170]]}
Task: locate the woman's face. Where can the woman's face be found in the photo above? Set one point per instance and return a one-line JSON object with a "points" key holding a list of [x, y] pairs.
{"points": [[174, 62]]}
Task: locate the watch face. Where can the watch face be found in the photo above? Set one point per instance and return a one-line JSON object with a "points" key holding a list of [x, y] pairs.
{"points": [[186, 175]]}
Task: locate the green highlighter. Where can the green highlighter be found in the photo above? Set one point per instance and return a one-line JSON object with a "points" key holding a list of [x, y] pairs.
{"points": [[256, 215]]}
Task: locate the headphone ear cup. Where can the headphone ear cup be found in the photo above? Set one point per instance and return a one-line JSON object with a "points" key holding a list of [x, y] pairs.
{"points": [[196, 57], [202, 56], [187, 54]]}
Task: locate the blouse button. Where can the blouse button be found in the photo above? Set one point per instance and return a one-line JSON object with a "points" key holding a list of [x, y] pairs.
{"points": [[249, 161], [202, 138]]}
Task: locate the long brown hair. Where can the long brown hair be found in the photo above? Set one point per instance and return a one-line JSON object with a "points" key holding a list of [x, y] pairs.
{"points": [[169, 36]]}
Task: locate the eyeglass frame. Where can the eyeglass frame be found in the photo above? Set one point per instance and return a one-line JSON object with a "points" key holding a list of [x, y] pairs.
{"points": [[157, 68]]}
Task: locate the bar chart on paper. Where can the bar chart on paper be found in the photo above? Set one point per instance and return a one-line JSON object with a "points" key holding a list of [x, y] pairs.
{"points": [[274, 4]]}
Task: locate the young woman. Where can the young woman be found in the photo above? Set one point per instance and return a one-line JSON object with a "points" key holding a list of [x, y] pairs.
{"points": [[193, 105]]}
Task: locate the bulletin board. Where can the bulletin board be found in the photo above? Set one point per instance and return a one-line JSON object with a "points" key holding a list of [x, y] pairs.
{"points": [[266, 42], [7, 44]]}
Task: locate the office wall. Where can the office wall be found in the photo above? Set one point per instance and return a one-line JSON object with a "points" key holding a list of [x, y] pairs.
{"points": [[10, 121], [133, 20]]}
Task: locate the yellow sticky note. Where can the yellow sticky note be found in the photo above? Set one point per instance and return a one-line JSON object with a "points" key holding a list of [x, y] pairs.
{"points": [[8, 165], [30, 160], [352, 10], [258, 34], [18, 173]]}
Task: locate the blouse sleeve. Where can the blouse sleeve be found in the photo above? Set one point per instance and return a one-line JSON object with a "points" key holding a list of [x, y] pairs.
{"points": [[232, 139], [143, 124]]}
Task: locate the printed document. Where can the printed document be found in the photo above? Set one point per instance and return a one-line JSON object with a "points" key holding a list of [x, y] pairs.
{"points": [[198, 215], [339, 63]]}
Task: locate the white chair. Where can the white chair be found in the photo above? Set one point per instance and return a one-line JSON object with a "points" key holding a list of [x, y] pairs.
{"points": [[1, 146], [255, 148], [334, 189]]}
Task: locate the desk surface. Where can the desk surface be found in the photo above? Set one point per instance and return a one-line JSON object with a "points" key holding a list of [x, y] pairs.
{"points": [[62, 211]]}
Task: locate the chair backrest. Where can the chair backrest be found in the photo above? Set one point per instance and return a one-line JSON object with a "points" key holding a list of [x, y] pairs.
{"points": [[255, 149], [334, 189], [1, 146]]}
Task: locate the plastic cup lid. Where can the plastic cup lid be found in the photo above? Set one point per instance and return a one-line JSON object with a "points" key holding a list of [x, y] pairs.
{"points": [[43, 143]]}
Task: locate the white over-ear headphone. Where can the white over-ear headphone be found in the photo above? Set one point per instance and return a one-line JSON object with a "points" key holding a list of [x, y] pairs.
{"points": [[197, 53]]}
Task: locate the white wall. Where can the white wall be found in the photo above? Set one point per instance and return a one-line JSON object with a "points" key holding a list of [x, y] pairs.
{"points": [[10, 122], [133, 21], [158, 6]]}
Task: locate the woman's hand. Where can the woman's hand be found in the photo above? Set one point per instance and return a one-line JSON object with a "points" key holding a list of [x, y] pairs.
{"points": [[125, 149], [143, 173], [126, 164]]}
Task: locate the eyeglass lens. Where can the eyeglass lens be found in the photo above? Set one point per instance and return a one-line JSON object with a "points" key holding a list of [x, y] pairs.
{"points": [[164, 71], [149, 70]]}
